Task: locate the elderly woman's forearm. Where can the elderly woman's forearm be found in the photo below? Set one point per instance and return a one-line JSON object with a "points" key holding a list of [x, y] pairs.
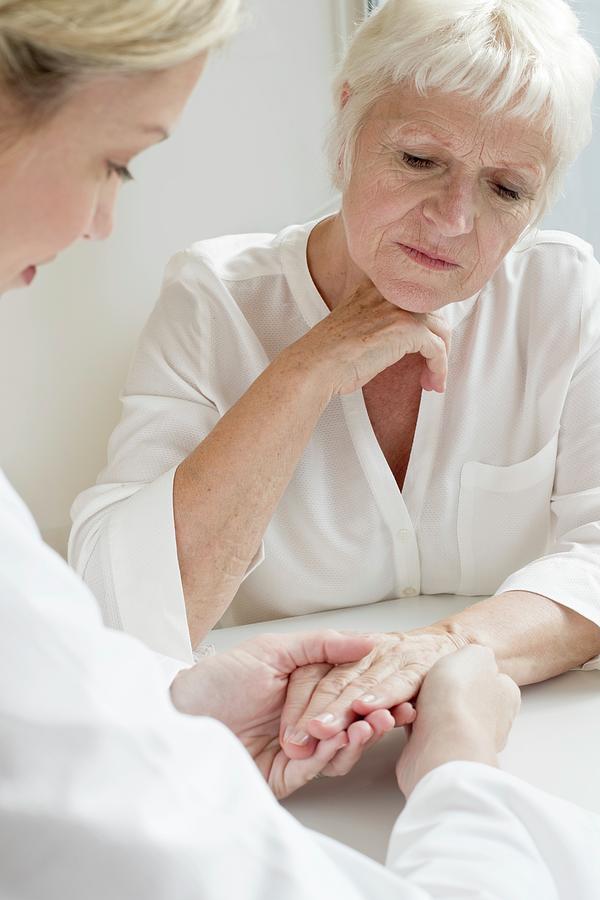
{"points": [[534, 638], [226, 491]]}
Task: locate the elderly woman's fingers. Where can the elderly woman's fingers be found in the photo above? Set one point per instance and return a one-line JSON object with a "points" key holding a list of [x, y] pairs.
{"points": [[301, 686], [367, 334], [439, 326], [387, 677], [309, 693], [433, 350], [391, 689]]}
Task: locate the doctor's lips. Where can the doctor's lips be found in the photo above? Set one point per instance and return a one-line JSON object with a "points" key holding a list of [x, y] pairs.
{"points": [[428, 259], [28, 274]]}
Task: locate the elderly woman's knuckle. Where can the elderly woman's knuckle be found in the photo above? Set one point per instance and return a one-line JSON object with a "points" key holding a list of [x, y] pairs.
{"points": [[411, 677], [333, 684], [309, 674], [370, 681], [438, 344]]}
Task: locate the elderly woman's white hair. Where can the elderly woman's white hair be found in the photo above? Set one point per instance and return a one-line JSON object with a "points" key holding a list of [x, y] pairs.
{"points": [[524, 57]]}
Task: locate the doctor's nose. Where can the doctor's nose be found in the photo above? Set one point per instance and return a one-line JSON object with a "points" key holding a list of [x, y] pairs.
{"points": [[452, 211], [101, 223]]}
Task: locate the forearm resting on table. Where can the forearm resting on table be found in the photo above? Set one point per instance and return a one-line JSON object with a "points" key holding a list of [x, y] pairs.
{"points": [[533, 637], [226, 491]]}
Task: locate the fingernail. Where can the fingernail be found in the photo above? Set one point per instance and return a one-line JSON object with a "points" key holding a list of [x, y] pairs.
{"points": [[325, 718], [295, 736], [370, 698]]}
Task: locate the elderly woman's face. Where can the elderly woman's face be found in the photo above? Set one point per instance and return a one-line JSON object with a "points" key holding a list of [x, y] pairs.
{"points": [[438, 195]]}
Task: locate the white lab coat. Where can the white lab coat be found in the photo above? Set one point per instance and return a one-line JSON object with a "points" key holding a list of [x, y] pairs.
{"points": [[107, 792], [502, 490]]}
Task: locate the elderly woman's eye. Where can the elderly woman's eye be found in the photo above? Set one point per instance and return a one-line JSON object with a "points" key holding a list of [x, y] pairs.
{"points": [[506, 193], [417, 162]]}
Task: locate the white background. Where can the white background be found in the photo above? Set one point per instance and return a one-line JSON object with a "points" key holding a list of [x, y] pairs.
{"points": [[247, 157]]}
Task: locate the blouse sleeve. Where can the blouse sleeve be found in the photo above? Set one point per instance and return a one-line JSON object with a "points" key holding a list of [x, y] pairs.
{"points": [[570, 572], [123, 538]]}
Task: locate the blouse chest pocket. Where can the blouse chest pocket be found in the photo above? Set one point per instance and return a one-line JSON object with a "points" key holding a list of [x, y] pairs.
{"points": [[503, 518]]}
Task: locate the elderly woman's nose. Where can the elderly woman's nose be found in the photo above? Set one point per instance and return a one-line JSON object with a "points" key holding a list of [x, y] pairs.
{"points": [[101, 222], [452, 211]]}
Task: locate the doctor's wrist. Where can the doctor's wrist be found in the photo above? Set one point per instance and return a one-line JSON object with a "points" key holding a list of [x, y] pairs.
{"points": [[191, 689]]}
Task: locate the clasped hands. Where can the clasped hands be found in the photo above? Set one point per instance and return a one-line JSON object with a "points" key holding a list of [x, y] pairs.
{"points": [[310, 704]]}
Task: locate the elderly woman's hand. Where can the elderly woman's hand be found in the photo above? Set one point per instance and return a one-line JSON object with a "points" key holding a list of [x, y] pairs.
{"points": [[366, 334], [245, 688], [323, 701]]}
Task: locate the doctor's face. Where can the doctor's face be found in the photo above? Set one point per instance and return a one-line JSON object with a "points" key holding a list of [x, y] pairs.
{"points": [[59, 183], [438, 195]]}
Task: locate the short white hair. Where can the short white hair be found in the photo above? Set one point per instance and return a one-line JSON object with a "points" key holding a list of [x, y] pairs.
{"points": [[525, 58]]}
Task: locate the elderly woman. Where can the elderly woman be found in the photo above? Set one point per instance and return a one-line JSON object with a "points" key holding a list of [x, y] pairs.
{"points": [[401, 398]]}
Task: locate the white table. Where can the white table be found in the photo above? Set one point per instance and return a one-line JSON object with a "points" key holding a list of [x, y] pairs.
{"points": [[554, 744]]}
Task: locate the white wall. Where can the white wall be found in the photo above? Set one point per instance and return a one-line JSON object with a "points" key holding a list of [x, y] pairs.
{"points": [[579, 210], [247, 157]]}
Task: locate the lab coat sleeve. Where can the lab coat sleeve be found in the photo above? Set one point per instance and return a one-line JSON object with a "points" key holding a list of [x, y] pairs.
{"points": [[471, 831], [569, 573], [123, 537]]}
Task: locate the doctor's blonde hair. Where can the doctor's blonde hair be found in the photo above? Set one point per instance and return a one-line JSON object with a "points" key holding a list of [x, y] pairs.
{"points": [[49, 46], [524, 58]]}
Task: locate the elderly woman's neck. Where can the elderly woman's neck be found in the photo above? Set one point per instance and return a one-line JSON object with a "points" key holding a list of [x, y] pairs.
{"points": [[332, 270]]}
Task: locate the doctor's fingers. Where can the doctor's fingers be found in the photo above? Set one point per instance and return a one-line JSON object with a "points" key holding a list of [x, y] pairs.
{"points": [[291, 774], [362, 736]]}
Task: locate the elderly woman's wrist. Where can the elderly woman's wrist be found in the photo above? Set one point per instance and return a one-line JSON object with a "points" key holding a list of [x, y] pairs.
{"points": [[452, 635], [307, 371]]}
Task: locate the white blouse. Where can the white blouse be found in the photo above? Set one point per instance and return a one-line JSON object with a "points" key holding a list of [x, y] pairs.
{"points": [[502, 490], [107, 792]]}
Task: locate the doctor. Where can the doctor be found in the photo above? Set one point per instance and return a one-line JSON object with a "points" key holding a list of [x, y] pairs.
{"points": [[106, 788]]}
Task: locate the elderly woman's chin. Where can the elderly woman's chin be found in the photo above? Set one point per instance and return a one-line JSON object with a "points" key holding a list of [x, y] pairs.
{"points": [[416, 295]]}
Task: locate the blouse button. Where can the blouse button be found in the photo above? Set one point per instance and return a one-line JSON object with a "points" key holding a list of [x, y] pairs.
{"points": [[404, 534], [409, 592]]}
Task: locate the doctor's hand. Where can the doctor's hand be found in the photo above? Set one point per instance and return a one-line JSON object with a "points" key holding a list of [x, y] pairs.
{"points": [[245, 688], [321, 704], [465, 711]]}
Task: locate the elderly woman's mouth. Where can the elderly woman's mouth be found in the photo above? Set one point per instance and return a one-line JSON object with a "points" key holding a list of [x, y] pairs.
{"points": [[427, 260]]}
